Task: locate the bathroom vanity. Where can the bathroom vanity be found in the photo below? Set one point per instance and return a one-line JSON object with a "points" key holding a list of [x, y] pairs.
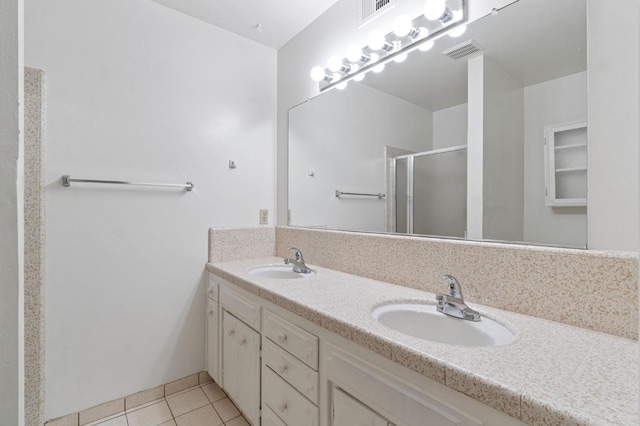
{"points": [[307, 351]]}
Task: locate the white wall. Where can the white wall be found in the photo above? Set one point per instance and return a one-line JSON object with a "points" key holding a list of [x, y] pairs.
{"points": [[450, 127], [342, 136], [11, 216], [138, 91], [613, 51], [558, 101]]}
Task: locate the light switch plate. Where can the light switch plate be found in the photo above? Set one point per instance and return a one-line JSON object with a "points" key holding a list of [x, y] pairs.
{"points": [[264, 216]]}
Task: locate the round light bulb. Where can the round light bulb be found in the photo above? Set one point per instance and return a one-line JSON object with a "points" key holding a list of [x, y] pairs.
{"points": [[359, 77], [354, 53], [374, 57], [317, 73], [376, 40], [342, 85], [336, 76], [334, 63], [401, 57], [378, 68], [354, 68], [427, 45], [434, 9], [458, 31], [402, 26]]}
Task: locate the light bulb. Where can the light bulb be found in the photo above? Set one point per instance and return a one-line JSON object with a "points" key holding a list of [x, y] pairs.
{"points": [[378, 68], [458, 31], [354, 68], [402, 26], [336, 76], [434, 9], [354, 53], [374, 57], [427, 45], [334, 63], [376, 40], [359, 77], [317, 74], [401, 57], [342, 85]]}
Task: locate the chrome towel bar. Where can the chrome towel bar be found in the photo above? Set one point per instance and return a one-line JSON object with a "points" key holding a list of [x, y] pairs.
{"points": [[340, 194], [66, 181]]}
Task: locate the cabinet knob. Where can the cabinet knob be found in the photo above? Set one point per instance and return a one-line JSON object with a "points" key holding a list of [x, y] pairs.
{"points": [[210, 292], [282, 407], [282, 337], [231, 332], [243, 341], [209, 311], [282, 368]]}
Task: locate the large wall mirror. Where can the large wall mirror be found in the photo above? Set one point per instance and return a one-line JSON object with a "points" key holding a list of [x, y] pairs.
{"points": [[486, 142]]}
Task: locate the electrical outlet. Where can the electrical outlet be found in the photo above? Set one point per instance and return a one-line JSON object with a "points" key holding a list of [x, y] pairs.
{"points": [[264, 216]]}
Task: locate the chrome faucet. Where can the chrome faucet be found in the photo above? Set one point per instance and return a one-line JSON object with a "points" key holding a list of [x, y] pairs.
{"points": [[453, 303], [297, 263]]}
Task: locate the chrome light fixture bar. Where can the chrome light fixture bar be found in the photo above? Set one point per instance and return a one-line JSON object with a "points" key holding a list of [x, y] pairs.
{"points": [[440, 17]]}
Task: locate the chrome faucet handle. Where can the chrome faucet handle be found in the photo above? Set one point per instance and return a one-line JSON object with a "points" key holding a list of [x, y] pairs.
{"points": [[455, 289], [298, 253], [298, 262]]}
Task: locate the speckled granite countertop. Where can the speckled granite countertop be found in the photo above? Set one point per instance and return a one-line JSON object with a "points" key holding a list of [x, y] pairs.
{"points": [[554, 374]]}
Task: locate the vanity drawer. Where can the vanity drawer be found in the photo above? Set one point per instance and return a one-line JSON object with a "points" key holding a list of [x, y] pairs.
{"points": [[292, 338], [243, 308], [291, 369], [290, 406], [214, 288], [269, 418]]}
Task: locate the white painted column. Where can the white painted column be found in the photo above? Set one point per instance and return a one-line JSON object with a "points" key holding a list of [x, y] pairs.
{"points": [[475, 149], [613, 48], [11, 214]]}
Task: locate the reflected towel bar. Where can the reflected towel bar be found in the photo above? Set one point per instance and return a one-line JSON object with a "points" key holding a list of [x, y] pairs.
{"points": [[66, 181], [340, 193]]}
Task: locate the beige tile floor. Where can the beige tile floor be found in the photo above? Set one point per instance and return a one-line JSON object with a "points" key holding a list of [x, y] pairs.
{"points": [[202, 405]]}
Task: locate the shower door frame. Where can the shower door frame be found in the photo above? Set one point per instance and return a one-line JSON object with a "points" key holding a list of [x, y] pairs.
{"points": [[410, 177]]}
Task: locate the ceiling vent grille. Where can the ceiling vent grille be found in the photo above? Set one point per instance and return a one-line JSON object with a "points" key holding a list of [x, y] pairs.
{"points": [[371, 9], [467, 50]]}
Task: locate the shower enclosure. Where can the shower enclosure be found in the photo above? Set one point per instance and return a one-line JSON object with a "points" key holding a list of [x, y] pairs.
{"points": [[431, 192]]}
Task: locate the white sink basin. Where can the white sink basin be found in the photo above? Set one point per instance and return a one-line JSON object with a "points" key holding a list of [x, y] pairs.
{"points": [[281, 272], [425, 322]]}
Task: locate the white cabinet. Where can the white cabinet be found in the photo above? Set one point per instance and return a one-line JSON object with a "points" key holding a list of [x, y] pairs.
{"points": [[346, 411], [241, 366], [290, 379], [566, 165], [213, 321], [212, 340]]}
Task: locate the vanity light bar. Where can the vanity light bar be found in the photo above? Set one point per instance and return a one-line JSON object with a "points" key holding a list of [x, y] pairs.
{"points": [[408, 35]]}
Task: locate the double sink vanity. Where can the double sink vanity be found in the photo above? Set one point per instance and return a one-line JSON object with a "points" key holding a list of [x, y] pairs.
{"points": [[331, 348]]}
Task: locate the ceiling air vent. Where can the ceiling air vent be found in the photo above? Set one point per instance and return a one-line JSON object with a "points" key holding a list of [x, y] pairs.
{"points": [[371, 9], [467, 50]]}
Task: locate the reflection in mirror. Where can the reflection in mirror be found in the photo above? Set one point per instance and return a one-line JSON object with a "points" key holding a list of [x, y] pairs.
{"points": [[457, 138]]}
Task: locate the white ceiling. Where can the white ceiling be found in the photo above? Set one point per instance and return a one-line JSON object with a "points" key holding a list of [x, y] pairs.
{"points": [[269, 22]]}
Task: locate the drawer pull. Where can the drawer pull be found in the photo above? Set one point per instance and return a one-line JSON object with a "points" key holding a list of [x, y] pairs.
{"points": [[282, 368], [243, 341], [231, 332], [282, 337], [282, 407]]}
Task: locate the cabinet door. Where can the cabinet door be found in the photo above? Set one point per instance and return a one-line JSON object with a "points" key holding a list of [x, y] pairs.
{"points": [[347, 411], [241, 366], [212, 340]]}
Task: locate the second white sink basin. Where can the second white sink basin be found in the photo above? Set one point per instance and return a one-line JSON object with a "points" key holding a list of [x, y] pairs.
{"points": [[425, 322], [282, 272]]}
